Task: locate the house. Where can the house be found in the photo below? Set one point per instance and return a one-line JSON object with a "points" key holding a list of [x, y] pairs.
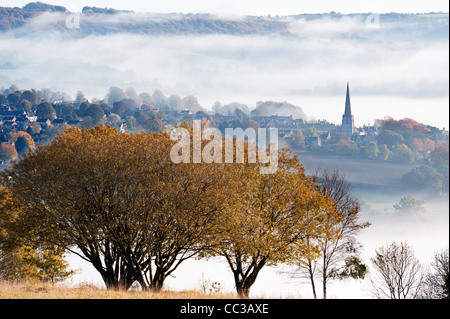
{"points": [[58, 121], [7, 112], [325, 136], [44, 122], [185, 112], [31, 118], [361, 137], [9, 120], [313, 142], [75, 122], [200, 114]]}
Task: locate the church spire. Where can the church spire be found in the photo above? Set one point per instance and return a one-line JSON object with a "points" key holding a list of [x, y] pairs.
{"points": [[348, 109], [348, 123]]}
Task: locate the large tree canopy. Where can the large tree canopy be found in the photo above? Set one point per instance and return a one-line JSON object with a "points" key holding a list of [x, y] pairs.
{"points": [[118, 201]]}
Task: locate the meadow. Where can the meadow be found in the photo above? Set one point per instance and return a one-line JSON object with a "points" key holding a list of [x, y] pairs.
{"points": [[29, 290]]}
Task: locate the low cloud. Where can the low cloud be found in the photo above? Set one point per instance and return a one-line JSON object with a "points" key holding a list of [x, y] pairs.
{"points": [[316, 59]]}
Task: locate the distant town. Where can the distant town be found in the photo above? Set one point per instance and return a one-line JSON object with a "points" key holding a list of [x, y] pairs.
{"points": [[32, 117]]}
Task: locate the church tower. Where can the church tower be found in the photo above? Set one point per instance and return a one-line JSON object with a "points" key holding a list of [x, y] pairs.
{"points": [[348, 123]]}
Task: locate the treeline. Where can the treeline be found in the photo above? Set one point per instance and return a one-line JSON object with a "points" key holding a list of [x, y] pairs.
{"points": [[404, 141], [122, 109], [414, 143], [91, 22], [119, 108], [407, 26], [15, 17]]}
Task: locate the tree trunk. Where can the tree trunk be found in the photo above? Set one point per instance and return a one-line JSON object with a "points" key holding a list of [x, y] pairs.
{"points": [[243, 285], [157, 285], [242, 290], [157, 282], [313, 285], [324, 274]]}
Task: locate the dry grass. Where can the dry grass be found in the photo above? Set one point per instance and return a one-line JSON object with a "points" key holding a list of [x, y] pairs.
{"points": [[45, 291]]}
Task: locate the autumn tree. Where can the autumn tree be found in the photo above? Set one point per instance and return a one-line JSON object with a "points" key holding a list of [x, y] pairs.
{"points": [[30, 96], [95, 112], [338, 137], [344, 145], [310, 132], [22, 145], [371, 151], [21, 134], [425, 177], [417, 146], [390, 138], [67, 112], [183, 204], [407, 128], [299, 140], [119, 108], [7, 152], [347, 148], [70, 212], [27, 263], [119, 202], [383, 152], [267, 217], [45, 111], [21, 256], [115, 94], [13, 98], [402, 154], [80, 98], [440, 155], [409, 204], [24, 105], [154, 124]]}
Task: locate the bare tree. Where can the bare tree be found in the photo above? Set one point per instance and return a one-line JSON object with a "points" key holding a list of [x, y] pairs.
{"points": [[338, 253], [399, 274], [437, 283]]}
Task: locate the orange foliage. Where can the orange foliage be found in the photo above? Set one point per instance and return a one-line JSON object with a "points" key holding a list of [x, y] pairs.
{"points": [[30, 140]]}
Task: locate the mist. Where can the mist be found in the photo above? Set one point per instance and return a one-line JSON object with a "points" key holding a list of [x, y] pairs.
{"points": [[378, 188], [307, 66]]}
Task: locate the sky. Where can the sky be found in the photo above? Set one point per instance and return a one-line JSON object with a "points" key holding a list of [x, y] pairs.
{"points": [[252, 7]]}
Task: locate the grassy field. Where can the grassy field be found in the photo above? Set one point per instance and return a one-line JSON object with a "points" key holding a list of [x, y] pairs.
{"points": [[44, 291], [357, 170]]}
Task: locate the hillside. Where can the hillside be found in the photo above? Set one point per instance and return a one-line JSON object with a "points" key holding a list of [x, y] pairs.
{"points": [[11, 18], [93, 22], [358, 171]]}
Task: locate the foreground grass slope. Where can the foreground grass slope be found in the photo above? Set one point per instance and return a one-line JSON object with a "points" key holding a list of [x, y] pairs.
{"points": [[44, 291]]}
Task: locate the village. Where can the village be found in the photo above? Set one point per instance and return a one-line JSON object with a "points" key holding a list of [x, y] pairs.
{"points": [[46, 115]]}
